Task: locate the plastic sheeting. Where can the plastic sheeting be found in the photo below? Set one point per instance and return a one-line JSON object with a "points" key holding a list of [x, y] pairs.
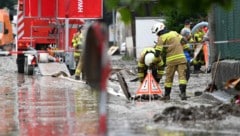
{"points": [[48, 69]]}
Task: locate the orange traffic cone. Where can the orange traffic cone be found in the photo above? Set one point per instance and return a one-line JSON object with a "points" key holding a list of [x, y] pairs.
{"points": [[149, 86]]}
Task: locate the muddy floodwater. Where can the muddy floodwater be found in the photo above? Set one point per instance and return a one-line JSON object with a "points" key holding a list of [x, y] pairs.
{"points": [[49, 106], [209, 114], [44, 106]]}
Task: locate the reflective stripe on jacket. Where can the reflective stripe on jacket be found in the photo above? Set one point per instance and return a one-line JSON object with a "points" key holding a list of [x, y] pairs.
{"points": [[198, 36], [142, 68], [174, 50]]}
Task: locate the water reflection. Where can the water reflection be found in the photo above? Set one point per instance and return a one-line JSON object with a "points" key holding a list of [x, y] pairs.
{"points": [[20, 79], [8, 125], [56, 109], [86, 112]]}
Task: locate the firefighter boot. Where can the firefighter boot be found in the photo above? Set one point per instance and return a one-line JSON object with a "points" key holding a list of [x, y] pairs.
{"points": [[183, 92], [167, 94], [77, 74]]}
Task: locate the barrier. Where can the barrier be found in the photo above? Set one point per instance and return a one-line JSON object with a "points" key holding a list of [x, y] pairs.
{"points": [[33, 52]]}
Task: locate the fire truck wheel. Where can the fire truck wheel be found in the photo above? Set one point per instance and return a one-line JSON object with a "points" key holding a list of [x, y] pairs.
{"points": [[20, 63], [28, 69]]}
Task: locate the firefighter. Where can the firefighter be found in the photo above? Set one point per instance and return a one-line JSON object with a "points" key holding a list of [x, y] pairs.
{"points": [[77, 43], [187, 48], [147, 61], [199, 60], [169, 43]]}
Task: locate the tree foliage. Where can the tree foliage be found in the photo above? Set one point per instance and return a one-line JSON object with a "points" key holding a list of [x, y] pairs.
{"points": [[174, 11], [8, 3]]}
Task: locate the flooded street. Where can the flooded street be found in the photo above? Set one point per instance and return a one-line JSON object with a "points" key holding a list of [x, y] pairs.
{"points": [[47, 106], [209, 114], [43, 105]]}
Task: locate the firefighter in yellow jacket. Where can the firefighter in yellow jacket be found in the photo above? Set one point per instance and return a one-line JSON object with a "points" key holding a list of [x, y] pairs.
{"points": [[77, 43], [199, 60], [146, 61], [169, 43], [187, 49]]}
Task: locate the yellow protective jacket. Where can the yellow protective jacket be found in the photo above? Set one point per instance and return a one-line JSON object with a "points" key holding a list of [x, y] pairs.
{"points": [[77, 43], [186, 47], [142, 68], [169, 43], [198, 36]]}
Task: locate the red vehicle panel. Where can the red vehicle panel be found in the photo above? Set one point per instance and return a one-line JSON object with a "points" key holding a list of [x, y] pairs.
{"points": [[48, 8], [80, 8], [42, 23], [30, 7]]}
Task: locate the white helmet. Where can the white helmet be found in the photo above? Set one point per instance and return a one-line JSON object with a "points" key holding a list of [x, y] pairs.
{"points": [[148, 59], [185, 32], [158, 27]]}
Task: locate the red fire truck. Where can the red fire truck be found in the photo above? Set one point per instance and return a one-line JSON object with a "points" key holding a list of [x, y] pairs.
{"points": [[50, 24]]}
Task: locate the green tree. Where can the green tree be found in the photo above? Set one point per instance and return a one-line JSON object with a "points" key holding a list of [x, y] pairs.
{"points": [[8, 3], [175, 19], [174, 11]]}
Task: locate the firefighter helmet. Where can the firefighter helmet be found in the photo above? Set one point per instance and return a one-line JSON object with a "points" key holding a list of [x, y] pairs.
{"points": [[186, 32], [158, 27], [148, 59]]}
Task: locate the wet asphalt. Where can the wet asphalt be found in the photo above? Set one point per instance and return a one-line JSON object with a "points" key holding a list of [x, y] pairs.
{"points": [[47, 106], [43, 105]]}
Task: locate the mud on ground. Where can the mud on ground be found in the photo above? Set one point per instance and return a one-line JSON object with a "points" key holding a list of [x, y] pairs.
{"points": [[208, 113]]}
